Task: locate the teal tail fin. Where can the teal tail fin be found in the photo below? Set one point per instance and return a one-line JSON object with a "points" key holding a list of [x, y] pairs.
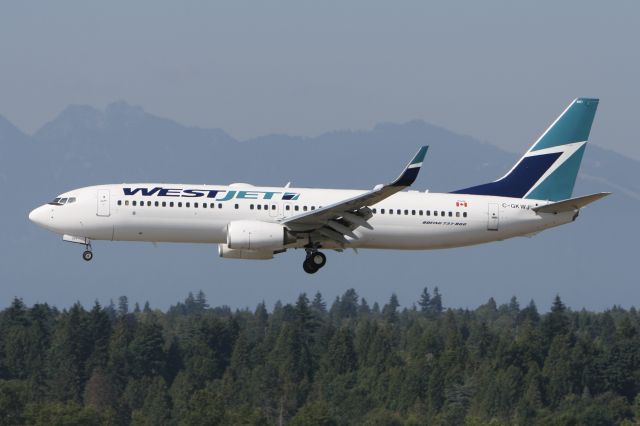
{"points": [[549, 169]]}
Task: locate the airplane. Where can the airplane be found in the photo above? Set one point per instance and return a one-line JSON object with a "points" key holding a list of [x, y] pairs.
{"points": [[252, 222]]}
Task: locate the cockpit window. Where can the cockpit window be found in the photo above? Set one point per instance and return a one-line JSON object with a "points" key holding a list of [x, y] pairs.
{"points": [[58, 201]]}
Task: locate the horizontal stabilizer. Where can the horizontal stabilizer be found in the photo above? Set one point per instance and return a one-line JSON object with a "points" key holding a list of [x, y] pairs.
{"points": [[570, 204]]}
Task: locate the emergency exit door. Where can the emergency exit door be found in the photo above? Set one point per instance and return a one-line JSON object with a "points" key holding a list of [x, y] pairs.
{"points": [[104, 208]]}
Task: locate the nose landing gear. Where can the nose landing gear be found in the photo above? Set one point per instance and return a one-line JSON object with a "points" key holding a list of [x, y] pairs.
{"points": [[87, 254], [314, 261]]}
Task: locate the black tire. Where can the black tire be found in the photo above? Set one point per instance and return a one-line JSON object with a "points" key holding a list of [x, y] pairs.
{"points": [[318, 259], [87, 255], [309, 267]]}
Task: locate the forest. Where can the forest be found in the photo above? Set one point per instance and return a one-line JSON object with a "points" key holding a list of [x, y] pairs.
{"points": [[310, 362]]}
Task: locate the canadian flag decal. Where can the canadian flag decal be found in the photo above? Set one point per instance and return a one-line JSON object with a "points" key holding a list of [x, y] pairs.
{"points": [[461, 204]]}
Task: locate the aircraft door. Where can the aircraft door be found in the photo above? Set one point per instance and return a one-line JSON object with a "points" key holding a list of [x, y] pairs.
{"points": [[104, 208], [494, 217]]}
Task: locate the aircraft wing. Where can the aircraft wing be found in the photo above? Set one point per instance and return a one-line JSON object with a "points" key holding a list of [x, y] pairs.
{"points": [[570, 204], [337, 221]]}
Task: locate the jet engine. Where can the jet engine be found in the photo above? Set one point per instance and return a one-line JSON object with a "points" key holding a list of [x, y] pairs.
{"points": [[257, 235]]}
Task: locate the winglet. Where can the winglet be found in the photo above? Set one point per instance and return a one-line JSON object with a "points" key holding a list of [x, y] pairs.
{"points": [[410, 172]]}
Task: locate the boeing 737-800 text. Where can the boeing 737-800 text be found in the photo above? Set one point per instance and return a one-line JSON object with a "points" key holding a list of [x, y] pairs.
{"points": [[251, 222]]}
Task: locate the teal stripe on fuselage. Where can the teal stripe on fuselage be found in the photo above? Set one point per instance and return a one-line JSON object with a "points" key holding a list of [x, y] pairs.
{"points": [[559, 184], [572, 126]]}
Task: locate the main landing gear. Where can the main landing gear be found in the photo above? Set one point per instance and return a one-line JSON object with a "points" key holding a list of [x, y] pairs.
{"points": [[87, 254], [314, 261]]}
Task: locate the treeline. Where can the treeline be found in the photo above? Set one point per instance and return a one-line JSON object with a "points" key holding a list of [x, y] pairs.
{"points": [[307, 363]]}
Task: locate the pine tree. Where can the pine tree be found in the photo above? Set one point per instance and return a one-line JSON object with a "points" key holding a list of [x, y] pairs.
{"points": [[363, 309], [190, 304], [390, 310], [436, 302], [201, 301], [318, 304], [425, 301], [348, 307], [123, 306], [556, 323], [514, 306]]}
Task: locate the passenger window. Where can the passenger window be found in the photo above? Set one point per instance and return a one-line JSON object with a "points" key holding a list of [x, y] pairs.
{"points": [[450, 214], [413, 212], [188, 204], [442, 213], [212, 205], [420, 212], [236, 206], [148, 203], [406, 212], [164, 204], [273, 207], [374, 211], [266, 207], [179, 203], [250, 206], [156, 204], [457, 214], [219, 205], [126, 202], [296, 208], [304, 208], [204, 205], [464, 214], [435, 213], [119, 202], [259, 206], [399, 211], [390, 211], [287, 207], [133, 203], [195, 205], [381, 211]]}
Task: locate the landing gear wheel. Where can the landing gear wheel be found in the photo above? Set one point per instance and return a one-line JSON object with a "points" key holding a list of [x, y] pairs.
{"points": [[87, 255], [314, 261], [309, 267], [318, 259]]}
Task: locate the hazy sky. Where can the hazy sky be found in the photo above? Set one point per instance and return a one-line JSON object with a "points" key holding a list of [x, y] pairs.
{"points": [[497, 70]]}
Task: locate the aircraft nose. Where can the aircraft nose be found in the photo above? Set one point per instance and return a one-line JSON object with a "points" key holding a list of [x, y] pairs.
{"points": [[38, 215]]}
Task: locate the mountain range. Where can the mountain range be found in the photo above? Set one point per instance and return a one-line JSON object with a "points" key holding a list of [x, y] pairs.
{"points": [[589, 263]]}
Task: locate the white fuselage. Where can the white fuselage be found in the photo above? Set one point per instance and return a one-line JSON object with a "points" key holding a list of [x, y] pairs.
{"points": [[409, 220]]}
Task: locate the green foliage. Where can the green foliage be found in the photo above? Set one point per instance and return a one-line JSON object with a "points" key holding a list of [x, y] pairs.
{"points": [[302, 364]]}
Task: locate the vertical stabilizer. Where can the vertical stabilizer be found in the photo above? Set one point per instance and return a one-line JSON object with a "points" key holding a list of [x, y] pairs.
{"points": [[549, 169]]}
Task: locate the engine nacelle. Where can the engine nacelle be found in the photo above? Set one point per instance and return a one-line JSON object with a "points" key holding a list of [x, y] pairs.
{"points": [[257, 235], [229, 253]]}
